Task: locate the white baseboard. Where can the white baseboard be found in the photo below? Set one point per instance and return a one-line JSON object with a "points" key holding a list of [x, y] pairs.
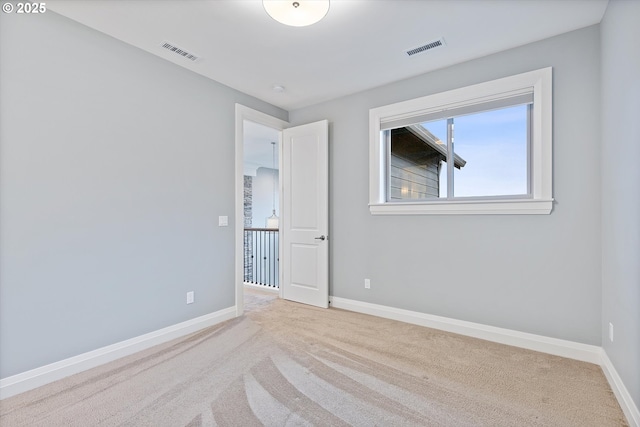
{"points": [[28, 380], [558, 347], [622, 394]]}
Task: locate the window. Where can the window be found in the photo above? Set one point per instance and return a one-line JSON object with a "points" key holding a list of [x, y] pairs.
{"points": [[482, 149]]}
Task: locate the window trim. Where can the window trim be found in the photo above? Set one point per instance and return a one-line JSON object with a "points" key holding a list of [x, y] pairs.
{"points": [[538, 82]]}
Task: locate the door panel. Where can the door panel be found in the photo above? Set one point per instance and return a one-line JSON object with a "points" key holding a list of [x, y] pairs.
{"points": [[304, 268], [305, 214]]}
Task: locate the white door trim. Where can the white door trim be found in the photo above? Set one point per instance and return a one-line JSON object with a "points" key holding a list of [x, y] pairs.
{"points": [[245, 113]]}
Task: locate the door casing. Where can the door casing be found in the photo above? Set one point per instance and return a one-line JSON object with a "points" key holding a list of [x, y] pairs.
{"points": [[245, 113]]}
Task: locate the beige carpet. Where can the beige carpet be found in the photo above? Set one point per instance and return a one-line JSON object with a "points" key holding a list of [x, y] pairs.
{"points": [[286, 364]]}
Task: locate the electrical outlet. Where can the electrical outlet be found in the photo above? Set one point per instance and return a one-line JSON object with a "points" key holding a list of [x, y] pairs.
{"points": [[610, 331], [190, 297], [367, 284]]}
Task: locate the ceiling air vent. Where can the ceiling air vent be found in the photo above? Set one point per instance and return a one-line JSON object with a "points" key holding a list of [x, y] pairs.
{"points": [[175, 49], [427, 46]]}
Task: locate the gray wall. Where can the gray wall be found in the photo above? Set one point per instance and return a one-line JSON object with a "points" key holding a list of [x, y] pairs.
{"points": [[115, 165], [621, 189], [263, 196], [537, 274]]}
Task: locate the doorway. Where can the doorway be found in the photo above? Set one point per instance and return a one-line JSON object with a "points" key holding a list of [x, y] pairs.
{"points": [[261, 206], [303, 204], [255, 127]]}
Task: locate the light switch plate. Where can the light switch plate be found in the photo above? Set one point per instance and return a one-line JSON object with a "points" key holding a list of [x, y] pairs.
{"points": [[223, 221]]}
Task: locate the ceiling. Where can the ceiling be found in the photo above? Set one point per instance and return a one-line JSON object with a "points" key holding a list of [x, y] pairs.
{"points": [[359, 45]]}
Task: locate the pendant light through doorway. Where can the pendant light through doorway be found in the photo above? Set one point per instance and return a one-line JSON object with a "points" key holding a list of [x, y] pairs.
{"points": [[273, 221]]}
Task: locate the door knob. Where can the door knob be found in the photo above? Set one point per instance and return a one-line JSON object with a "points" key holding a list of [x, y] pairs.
{"points": [[320, 238]]}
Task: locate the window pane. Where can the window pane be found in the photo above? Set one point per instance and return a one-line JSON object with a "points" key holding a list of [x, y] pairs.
{"points": [[491, 153], [417, 155]]}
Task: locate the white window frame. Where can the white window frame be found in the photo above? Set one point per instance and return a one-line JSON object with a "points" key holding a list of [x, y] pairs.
{"points": [[538, 82]]}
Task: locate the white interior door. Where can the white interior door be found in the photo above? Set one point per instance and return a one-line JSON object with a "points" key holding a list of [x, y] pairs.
{"points": [[305, 215]]}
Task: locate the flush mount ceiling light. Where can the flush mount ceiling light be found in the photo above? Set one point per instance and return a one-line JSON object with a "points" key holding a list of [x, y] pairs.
{"points": [[298, 13]]}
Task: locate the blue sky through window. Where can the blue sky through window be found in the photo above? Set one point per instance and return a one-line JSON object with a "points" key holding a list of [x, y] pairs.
{"points": [[494, 145]]}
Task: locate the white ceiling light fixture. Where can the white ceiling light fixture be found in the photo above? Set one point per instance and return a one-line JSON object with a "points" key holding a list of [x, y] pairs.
{"points": [[296, 13]]}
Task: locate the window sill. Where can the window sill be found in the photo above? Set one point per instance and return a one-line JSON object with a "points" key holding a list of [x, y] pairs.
{"points": [[465, 207]]}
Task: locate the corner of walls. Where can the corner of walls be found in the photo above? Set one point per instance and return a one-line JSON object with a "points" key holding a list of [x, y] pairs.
{"points": [[620, 204], [621, 392]]}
